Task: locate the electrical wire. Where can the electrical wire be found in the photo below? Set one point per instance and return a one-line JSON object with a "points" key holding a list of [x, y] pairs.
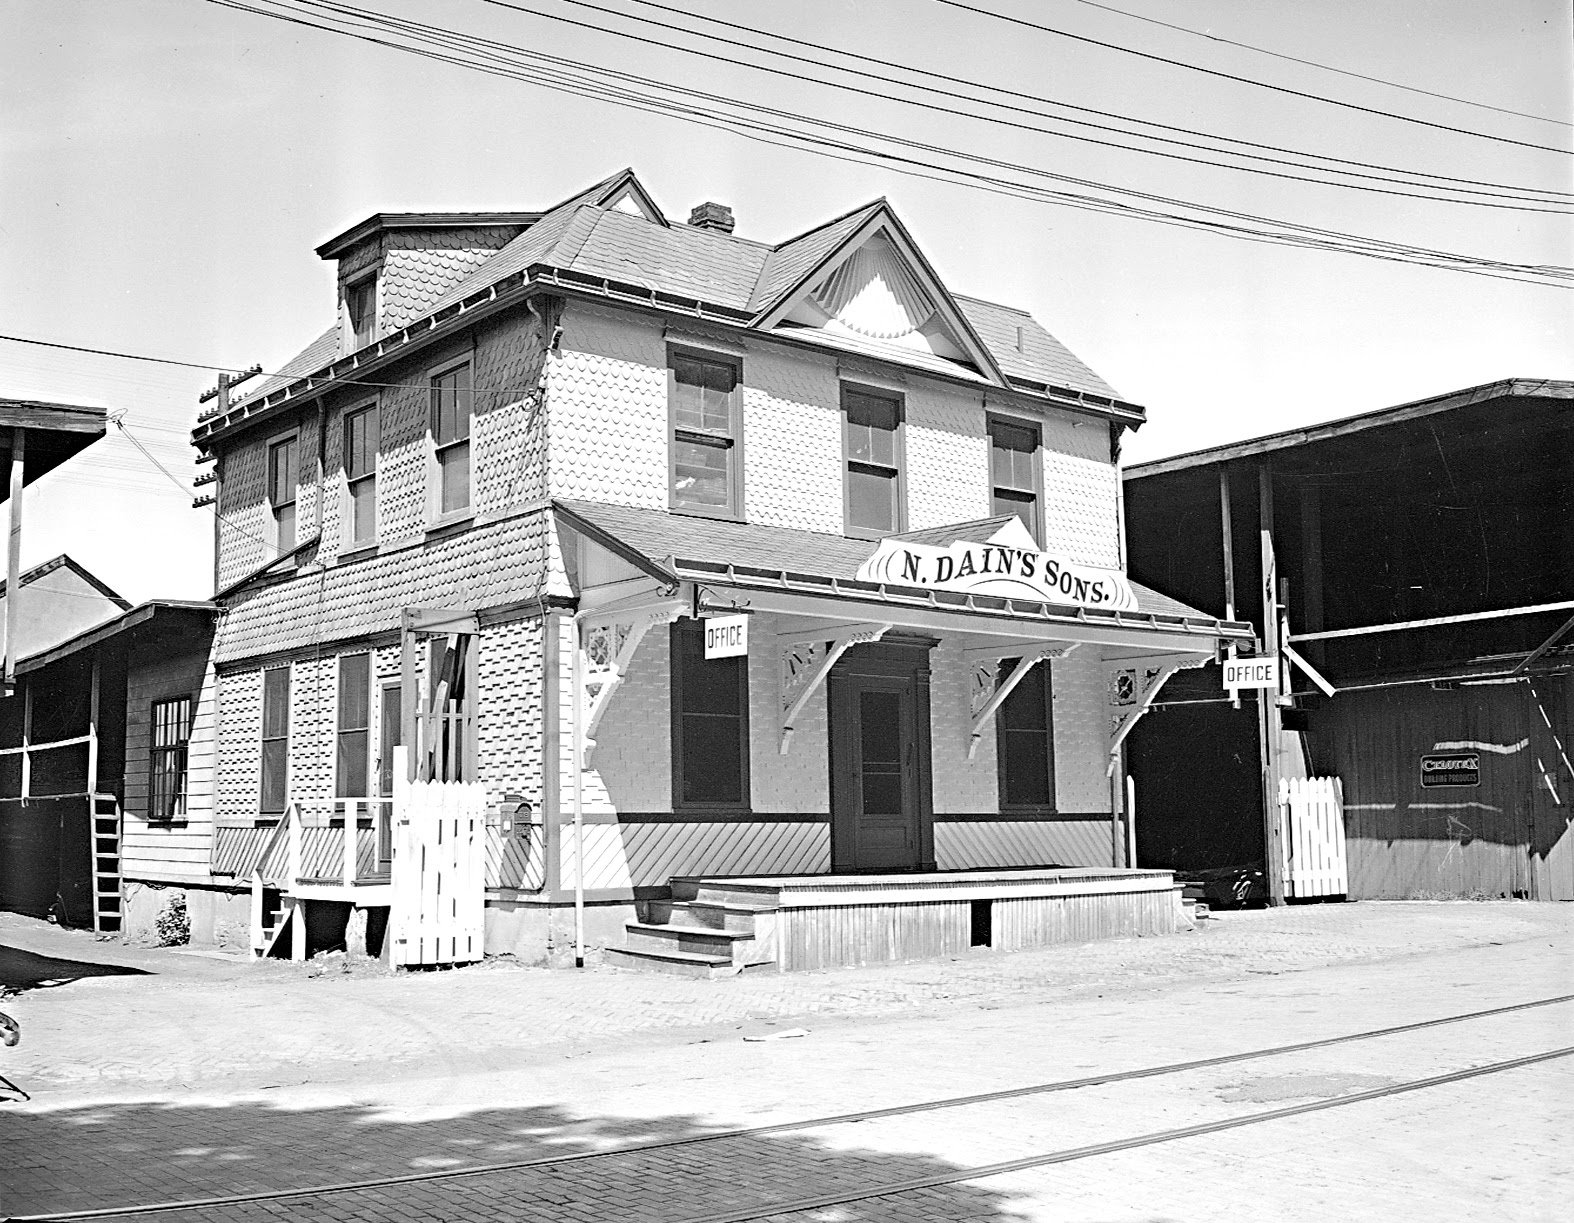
{"points": [[1286, 233], [1246, 80], [1468, 186], [1308, 63]]}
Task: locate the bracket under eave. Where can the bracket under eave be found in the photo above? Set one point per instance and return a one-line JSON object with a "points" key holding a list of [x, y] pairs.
{"points": [[1005, 687], [825, 649]]}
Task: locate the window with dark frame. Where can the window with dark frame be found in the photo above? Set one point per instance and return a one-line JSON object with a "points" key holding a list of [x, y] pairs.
{"points": [[705, 431], [360, 472], [872, 446], [451, 412], [275, 740], [171, 735], [360, 303], [281, 492], [1014, 473], [352, 757], [710, 725], [1025, 742], [390, 736]]}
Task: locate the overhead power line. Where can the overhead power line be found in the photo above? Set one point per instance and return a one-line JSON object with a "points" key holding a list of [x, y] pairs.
{"points": [[1386, 174], [1245, 80], [949, 108], [571, 76], [1308, 63]]}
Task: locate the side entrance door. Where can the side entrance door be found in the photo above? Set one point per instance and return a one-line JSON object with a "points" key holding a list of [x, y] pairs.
{"points": [[882, 816]]}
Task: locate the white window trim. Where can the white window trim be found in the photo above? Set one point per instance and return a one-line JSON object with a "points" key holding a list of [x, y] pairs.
{"points": [[1034, 426], [435, 517], [352, 284], [734, 510], [374, 695], [899, 453], [348, 543], [290, 435]]}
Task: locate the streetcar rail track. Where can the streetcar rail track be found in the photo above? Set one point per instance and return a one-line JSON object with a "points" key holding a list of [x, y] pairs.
{"points": [[782, 1127], [984, 1171]]}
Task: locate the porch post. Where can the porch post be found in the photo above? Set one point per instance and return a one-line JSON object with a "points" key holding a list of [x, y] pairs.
{"points": [[577, 763]]}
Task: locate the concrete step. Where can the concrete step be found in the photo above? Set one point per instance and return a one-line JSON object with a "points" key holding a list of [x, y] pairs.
{"points": [[736, 946], [735, 892], [711, 914], [674, 963]]}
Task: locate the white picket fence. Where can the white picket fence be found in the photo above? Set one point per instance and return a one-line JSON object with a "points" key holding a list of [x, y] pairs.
{"points": [[439, 872], [1311, 824]]}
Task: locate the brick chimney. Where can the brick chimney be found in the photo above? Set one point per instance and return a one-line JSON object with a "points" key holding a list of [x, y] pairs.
{"points": [[712, 216]]}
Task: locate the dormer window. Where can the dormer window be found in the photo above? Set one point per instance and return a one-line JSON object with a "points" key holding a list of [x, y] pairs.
{"points": [[360, 305]]}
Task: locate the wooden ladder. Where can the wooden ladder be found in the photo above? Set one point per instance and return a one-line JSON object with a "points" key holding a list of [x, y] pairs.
{"points": [[107, 900]]}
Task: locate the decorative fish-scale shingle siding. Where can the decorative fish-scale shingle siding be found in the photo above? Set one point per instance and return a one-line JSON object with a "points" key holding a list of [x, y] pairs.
{"points": [[314, 693], [239, 769], [509, 733], [792, 441], [244, 527], [607, 410], [488, 566], [608, 431], [420, 265], [1081, 491]]}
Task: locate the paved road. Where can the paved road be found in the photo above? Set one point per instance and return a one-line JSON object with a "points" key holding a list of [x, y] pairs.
{"points": [[523, 1065]]}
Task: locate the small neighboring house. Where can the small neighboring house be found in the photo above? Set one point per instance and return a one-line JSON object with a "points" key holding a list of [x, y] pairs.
{"points": [[106, 781], [485, 522], [1423, 558]]}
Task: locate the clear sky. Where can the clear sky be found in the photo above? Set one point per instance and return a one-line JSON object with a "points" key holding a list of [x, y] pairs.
{"points": [[167, 166]]}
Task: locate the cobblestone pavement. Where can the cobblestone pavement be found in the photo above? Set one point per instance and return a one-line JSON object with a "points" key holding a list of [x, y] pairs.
{"points": [[211, 1078]]}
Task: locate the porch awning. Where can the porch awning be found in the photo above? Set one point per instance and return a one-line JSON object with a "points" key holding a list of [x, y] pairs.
{"points": [[811, 568]]}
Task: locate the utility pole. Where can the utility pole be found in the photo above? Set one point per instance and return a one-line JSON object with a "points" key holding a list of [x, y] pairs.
{"points": [[1268, 722]]}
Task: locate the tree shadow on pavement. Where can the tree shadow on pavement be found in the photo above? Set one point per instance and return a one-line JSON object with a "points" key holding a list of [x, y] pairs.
{"points": [[127, 1154], [24, 970]]}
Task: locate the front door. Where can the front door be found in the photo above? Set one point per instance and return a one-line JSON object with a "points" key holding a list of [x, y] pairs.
{"points": [[880, 803]]}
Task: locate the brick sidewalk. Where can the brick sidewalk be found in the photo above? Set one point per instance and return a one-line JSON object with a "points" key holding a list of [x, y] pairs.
{"points": [[496, 1064]]}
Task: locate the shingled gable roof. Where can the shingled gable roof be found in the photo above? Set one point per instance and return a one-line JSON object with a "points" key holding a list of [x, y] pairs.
{"points": [[587, 234], [874, 218]]}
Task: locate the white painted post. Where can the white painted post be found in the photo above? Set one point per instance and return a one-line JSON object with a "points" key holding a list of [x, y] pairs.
{"points": [[352, 832]]}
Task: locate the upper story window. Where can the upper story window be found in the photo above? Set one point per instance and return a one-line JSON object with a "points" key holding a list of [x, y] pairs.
{"points": [[275, 740], [1015, 473], [360, 307], [281, 491], [872, 446], [171, 733], [710, 724], [1025, 741], [360, 473], [705, 427], [451, 412]]}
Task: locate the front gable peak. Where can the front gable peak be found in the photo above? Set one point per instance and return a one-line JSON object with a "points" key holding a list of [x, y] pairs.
{"points": [[875, 284]]}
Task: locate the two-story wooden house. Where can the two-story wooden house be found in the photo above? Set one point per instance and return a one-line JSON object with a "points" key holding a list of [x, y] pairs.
{"points": [[491, 512]]}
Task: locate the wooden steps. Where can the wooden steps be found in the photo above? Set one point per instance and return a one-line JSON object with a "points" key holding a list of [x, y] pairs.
{"points": [[710, 928]]}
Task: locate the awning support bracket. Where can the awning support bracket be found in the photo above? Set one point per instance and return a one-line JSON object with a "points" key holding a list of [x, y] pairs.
{"points": [[990, 690], [805, 665], [608, 646], [1132, 690]]}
